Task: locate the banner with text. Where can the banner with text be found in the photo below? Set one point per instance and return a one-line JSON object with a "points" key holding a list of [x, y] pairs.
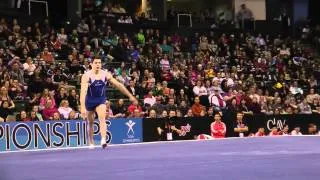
{"points": [[189, 128], [58, 134]]}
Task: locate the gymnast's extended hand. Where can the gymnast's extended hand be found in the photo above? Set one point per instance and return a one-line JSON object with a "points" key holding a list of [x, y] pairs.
{"points": [[120, 87]]}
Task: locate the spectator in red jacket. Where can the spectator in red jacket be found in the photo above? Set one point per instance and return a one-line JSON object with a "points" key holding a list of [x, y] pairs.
{"points": [[218, 128], [274, 132], [133, 106], [49, 111], [260, 132]]}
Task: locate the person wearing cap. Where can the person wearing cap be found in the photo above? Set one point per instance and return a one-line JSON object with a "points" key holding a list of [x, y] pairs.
{"points": [[216, 100]]}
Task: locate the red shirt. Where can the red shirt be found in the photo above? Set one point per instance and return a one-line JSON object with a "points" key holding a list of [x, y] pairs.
{"points": [[48, 112], [132, 107], [218, 129], [259, 134], [273, 133]]}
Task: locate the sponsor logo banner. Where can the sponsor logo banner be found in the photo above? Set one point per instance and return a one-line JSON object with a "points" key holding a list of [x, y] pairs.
{"points": [[58, 134]]}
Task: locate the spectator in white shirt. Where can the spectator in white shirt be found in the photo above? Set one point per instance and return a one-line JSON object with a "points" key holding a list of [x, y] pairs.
{"points": [[216, 100], [149, 99], [64, 109], [121, 20], [123, 78], [83, 28], [296, 132], [29, 67], [260, 41], [199, 89], [62, 37], [128, 20], [230, 82], [218, 78], [294, 89]]}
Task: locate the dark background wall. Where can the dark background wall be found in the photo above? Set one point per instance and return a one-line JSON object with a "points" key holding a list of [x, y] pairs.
{"points": [[314, 11]]}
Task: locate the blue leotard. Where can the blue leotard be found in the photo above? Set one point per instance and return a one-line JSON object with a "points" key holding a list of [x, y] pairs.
{"points": [[96, 93]]}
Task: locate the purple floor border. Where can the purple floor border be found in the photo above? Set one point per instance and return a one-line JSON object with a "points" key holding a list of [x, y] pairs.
{"points": [[293, 158]]}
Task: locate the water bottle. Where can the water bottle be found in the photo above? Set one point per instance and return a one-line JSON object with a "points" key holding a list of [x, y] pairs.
{"points": [[241, 135], [169, 134]]}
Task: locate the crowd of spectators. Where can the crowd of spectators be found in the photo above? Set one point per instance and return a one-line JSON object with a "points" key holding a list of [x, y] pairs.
{"points": [[116, 13], [193, 76]]}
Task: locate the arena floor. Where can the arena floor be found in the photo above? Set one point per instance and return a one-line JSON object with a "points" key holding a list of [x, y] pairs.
{"points": [[285, 158]]}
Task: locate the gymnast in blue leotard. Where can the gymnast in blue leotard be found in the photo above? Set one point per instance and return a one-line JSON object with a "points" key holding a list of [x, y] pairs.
{"points": [[93, 98], [96, 93]]}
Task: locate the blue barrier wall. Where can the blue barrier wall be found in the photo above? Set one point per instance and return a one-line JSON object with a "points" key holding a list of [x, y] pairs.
{"points": [[59, 134]]}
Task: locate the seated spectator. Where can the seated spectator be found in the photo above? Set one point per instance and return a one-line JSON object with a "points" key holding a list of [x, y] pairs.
{"points": [[304, 107], [83, 28], [284, 131], [23, 116], [171, 105], [47, 56], [164, 114], [274, 131], [294, 89], [189, 113], [218, 128], [36, 110], [216, 100], [255, 106], [74, 99], [29, 67], [152, 114], [5, 111], [64, 109], [60, 95], [133, 88], [261, 132], [196, 107], [158, 106], [296, 131], [124, 78], [149, 99], [182, 97], [240, 127], [46, 96], [16, 90], [119, 110], [121, 20], [49, 110], [5, 97], [74, 115], [133, 106], [312, 95], [243, 107], [33, 116], [312, 129], [183, 108], [201, 91], [109, 110], [136, 113], [56, 116]]}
